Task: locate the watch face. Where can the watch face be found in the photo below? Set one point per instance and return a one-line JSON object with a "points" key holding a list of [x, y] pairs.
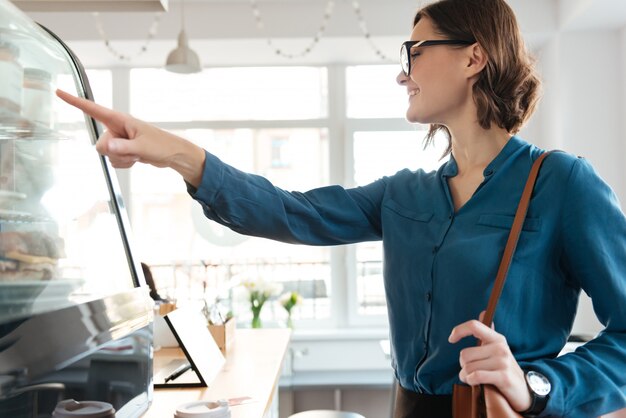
{"points": [[538, 383]]}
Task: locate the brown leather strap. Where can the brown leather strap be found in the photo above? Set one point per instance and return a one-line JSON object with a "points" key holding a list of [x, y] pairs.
{"points": [[511, 243]]}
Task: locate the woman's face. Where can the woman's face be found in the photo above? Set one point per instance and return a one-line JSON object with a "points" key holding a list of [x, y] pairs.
{"points": [[437, 86]]}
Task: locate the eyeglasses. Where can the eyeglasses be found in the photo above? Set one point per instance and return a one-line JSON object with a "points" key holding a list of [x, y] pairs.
{"points": [[405, 50]]}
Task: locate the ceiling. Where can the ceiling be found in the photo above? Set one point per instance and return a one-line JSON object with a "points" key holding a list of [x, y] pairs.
{"points": [[224, 32]]}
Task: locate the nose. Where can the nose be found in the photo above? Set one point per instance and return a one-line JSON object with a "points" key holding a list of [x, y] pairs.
{"points": [[402, 79]]}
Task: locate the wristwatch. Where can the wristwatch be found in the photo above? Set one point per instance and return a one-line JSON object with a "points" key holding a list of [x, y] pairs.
{"points": [[539, 387]]}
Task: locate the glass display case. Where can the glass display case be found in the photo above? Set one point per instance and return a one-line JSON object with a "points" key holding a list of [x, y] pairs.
{"points": [[75, 316]]}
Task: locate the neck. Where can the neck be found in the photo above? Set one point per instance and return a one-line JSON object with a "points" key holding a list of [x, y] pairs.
{"points": [[474, 148]]}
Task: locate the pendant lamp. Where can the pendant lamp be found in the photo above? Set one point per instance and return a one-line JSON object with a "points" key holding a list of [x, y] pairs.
{"points": [[183, 59]]}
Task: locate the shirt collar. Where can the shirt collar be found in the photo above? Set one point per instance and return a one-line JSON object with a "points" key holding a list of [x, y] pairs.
{"points": [[450, 168]]}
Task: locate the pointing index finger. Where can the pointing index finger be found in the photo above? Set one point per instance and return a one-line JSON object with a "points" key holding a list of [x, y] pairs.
{"points": [[108, 117]]}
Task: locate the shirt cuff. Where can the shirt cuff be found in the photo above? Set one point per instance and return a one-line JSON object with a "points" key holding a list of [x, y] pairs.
{"points": [[555, 406], [211, 182]]}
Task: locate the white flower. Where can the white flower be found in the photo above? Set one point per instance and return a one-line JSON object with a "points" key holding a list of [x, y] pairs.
{"points": [[262, 287], [290, 299]]}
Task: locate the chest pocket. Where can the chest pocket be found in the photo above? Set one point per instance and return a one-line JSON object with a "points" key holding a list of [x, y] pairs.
{"points": [[408, 213], [506, 222]]}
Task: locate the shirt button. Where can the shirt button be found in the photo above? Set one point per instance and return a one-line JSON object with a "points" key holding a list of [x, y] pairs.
{"points": [[435, 249], [429, 296], [425, 345], [450, 216]]}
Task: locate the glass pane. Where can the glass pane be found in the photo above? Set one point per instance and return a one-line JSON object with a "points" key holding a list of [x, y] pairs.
{"points": [[188, 252], [60, 241], [101, 86], [378, 154], [101, 82], [267, 93], [372, 92]]}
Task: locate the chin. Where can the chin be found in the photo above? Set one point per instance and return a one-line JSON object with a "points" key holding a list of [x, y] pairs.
{"points": [[413, 118]]}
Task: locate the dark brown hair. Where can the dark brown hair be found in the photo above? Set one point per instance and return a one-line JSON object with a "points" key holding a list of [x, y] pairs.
{"points": [[508, 88]]}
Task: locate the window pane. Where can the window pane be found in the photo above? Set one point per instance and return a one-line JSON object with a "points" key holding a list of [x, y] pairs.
{"points": [[378, 154], [268, 93], [170, 228], [372, 92]]}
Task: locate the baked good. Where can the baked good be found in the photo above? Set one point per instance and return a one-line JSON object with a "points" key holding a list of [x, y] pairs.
{"points": [[29, 255]]}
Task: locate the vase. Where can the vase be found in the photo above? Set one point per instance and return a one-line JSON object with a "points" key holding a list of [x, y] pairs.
{"points": [[256, 322], [289, 321], [256, 317]]}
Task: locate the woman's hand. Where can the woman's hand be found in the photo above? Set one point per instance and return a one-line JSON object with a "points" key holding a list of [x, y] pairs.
{"points": [[128, 140], [491, 363]]}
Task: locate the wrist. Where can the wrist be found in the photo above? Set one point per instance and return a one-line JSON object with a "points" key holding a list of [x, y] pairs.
{"points": [[539, 388], [188, 161]]}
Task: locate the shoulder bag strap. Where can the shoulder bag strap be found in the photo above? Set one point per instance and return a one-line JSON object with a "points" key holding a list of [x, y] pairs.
{"points": [[511, 243]]}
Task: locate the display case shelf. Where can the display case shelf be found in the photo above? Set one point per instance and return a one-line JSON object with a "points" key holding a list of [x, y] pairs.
{"points": [[17, 128]]}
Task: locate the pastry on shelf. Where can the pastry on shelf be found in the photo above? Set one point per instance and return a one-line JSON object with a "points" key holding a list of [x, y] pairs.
{"points": [[29, 255]]}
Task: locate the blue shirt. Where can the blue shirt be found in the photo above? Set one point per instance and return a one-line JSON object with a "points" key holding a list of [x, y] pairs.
{"points": [[439, 265]]}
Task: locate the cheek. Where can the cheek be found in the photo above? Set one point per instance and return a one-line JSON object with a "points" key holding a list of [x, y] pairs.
{"points": [[443, 87]]}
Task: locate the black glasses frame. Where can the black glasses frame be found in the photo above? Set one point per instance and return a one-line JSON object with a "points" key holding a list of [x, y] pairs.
{"points": [[405, 50]]}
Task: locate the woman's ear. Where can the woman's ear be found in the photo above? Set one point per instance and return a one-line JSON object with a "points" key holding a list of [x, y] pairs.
{"points": [[476, 60]]}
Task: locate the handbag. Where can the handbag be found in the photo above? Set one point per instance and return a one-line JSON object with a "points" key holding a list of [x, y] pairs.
{"points": [[486, 401]]}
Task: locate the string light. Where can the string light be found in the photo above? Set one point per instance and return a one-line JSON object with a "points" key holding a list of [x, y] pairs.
{"points": [[356, 7], [363, 26], [328, 12], [124, 57], [330, 5]]}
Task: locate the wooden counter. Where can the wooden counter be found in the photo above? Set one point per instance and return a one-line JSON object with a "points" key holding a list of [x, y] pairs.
{"points": [[252, 369]]}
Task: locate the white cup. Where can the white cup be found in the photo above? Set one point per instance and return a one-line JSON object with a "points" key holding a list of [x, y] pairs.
{"points": [[70, 408], [203, 409]]}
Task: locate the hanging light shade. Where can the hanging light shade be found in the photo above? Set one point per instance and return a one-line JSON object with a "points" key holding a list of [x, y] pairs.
{"points": [[183, 59]]}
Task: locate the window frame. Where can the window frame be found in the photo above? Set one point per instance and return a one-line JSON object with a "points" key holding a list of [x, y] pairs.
{"points": [[341, 130]]}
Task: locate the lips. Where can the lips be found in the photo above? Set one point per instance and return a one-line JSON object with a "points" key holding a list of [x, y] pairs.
{"points": [[413, 92]]}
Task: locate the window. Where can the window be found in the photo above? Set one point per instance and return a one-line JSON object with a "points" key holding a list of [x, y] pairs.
{"points": [[199, 258], [372, 92], [250, 93], [247, 117]]}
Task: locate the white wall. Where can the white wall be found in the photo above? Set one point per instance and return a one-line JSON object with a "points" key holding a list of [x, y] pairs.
{"points": [[583, 107], [591, 101]]}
